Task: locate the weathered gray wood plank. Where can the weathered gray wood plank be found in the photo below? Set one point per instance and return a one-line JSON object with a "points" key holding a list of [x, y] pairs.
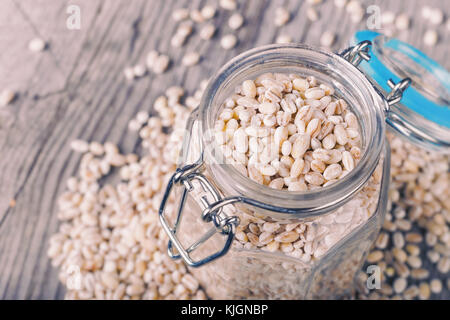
{"points": [[76, 89]]}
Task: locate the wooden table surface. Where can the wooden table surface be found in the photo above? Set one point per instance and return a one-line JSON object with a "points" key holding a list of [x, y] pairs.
{"points": [[76, 89]]}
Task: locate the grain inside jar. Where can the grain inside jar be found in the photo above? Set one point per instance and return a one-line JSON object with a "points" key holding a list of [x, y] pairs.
{"points": [[288, 132]]}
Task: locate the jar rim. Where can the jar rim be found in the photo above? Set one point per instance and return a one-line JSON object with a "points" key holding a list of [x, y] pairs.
{"points": [[311, 202]]}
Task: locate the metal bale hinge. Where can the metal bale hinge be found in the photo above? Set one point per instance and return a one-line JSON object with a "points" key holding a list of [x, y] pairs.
{"points": [[356, 54], [223, 224], [396, 93]]}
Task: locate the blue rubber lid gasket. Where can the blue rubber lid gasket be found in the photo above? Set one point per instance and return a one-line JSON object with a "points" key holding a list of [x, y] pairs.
{"points": [[413, 99]]}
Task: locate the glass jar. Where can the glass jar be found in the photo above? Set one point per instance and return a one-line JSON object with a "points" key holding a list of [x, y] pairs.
{"points": [[315, 241]]}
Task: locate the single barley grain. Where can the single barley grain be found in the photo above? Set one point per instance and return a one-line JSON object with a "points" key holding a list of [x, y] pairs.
{"points": [[161, 64], [312, 14], [424, 291], [208, 12], [282, 16], [327, 39], [419, 274], [411, 292], [228, 4], [235, 21], [387, 18], [196, 16], [375, 256], [436, 286], [283, 39], [6, 97], [151, 58], [414, 261], [37, 45], [129, 73], [400, 285], [382, 240], [436, 16], [414, 237], [139, 70], [190, 59], [402, 21], [340, 3], [430, 38], [228, 41], [207, 31], [79, 146], [180, 14], [426, 12]]}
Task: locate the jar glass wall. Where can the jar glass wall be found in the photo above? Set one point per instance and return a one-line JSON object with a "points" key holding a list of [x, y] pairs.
{"points": [[318, 238]]}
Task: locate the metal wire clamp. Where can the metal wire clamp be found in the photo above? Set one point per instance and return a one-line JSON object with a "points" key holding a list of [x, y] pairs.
{"points": [[212, 212], [357, 53]]}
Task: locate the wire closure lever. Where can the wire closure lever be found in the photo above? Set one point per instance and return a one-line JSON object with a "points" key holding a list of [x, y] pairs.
{"points": [[212, 212]]}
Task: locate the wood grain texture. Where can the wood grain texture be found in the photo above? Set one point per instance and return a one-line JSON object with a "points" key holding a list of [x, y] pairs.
{"points": [[76, 89]]}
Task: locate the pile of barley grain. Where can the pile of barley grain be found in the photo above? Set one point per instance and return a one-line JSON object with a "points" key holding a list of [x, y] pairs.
{"points": [[110, 244], [413, 249]]}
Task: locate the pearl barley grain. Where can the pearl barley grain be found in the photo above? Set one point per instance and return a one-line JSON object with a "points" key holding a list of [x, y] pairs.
{"points": [[314, 2], [208, 12], [436, 286], [387, 18], [37, 45], [228, 4], [340, 3], [249, 88], [282, 16], [180, 14], [236, 21], [327, 39], [312, 14], [79, 146], [129, 73], [142, 117], [6, 97], [436, 16], [228, 41], [196, 16], [161, 64], [139, 70], [430, 38], [190, 59], [402, 22], [353, 6], [333, 171], [207, 31], [400, 285], [151, 58], [426, 12], [283, 39]]}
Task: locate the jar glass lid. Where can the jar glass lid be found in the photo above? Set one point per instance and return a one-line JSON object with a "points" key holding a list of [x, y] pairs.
{"points": [[423, 114]]}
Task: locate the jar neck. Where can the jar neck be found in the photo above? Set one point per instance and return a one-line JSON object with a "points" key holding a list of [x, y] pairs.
{"points": [[327, 67]]}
